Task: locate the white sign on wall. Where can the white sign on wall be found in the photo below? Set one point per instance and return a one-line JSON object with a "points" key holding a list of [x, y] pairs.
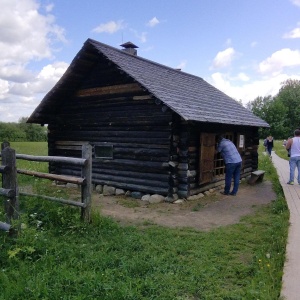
{"points": [[241, 141]]}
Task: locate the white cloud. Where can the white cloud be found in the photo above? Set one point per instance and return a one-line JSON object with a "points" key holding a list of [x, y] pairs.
{"points": [[224, 58], [142, 37], [250, 90], [296, 2], [279, 60], [15, 73], [27, 35], [110, 27], [49, 76], [293, 34], [42, 83], [4, 88], [153, 22], [28, 94], [243, 77]]}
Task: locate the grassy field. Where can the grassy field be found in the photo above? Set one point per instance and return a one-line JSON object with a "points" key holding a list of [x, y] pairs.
{"points": [[280, 150], [56, 256]]}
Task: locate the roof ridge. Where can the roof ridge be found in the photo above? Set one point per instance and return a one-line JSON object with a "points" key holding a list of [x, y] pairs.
{"points": [[92, 41]]}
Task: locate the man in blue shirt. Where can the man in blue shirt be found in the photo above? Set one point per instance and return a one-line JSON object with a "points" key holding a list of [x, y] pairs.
{"points": [[233, 164]]}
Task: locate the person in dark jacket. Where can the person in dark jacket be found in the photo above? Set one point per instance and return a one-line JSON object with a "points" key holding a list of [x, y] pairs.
{"points": [[270, 145]]}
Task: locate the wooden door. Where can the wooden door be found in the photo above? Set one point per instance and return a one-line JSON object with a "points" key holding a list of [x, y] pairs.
{"points": [[207, 154]]}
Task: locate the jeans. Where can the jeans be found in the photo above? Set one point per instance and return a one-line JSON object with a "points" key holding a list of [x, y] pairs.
{"points": [[269, 149], [294, 162], [233, 170]]}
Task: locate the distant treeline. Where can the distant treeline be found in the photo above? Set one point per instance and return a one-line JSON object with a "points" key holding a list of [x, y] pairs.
{"points": [[21, 132], [281, 112]]}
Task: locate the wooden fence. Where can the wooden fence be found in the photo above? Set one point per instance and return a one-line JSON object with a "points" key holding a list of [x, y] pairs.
{"points": [[10, 189]]}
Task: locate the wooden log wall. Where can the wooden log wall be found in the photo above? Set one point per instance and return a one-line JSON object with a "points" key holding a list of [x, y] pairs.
{"points": [[139, 131], [188, 159], [110, 107]]}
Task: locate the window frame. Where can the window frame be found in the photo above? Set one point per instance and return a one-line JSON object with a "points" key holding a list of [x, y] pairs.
{"points": [[104, 146]]}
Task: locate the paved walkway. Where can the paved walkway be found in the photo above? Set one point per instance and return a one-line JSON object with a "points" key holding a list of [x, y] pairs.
{"points": [[291, 272]]}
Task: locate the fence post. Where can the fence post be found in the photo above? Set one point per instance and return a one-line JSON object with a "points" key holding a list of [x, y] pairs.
{"points": [[9, 181], [86, 190], [5, 144]]}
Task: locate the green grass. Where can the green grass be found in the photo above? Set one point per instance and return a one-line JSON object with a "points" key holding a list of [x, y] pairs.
{"points": [[280, 150], [56, 256]]}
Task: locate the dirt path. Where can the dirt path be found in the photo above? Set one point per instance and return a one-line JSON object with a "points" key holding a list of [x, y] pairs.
{"points": [[204, 214]]}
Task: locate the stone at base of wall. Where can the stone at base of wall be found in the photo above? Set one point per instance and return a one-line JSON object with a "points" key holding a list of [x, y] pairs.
{"points": [[155, 198], [195, 197], [109, 190]]}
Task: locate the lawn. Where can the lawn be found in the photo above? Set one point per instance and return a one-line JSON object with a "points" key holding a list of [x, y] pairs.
{"points": [[56, 256], [280, 150]]}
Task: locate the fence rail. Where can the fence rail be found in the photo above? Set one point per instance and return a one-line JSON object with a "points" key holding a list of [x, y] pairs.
{"points": [[10, 187]]}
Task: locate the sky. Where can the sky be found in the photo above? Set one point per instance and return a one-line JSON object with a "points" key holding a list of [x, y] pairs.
{"points": [[245, 48]]}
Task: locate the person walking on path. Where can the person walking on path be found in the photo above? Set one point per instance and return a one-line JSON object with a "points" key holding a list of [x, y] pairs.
{"points": [[265, 144], [293, 146], [270, 145], [233, 164]]}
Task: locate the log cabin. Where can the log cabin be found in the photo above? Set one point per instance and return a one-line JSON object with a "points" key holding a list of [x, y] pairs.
{"points": [[152, 127]]}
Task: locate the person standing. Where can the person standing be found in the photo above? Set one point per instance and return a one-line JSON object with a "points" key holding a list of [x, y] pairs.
{"points": [[293, 146], [270, 145], [233, 164], [284, 143]]}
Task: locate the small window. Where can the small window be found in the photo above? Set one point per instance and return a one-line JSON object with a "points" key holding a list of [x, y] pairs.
{"points": [[104, 151]]}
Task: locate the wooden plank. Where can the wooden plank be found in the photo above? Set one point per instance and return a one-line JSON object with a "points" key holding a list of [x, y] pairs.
{"points": [[71, 143], [59, 159], [5, 226], [207, 142], [86, 191], [72, 148], [115, 89], [145, 97], [256, 176], [64, 201], [63, 178], [122, 173], [9, 181], [134, 145], [4, 169], [258, 172], [7, 192], [137, 181]]}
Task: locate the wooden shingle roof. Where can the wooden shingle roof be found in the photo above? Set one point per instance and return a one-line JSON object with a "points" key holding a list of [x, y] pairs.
{"points": [[190, 96]]}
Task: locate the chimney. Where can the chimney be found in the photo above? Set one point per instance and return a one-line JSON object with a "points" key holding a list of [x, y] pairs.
{"points": [[129, 48]]}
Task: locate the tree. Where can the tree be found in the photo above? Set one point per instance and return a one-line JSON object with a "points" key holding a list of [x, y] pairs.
{"points": [[276, 118], [281, 112], [260, 107], [33, 132], [11, 132], [19, 132], [289, 96]]}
